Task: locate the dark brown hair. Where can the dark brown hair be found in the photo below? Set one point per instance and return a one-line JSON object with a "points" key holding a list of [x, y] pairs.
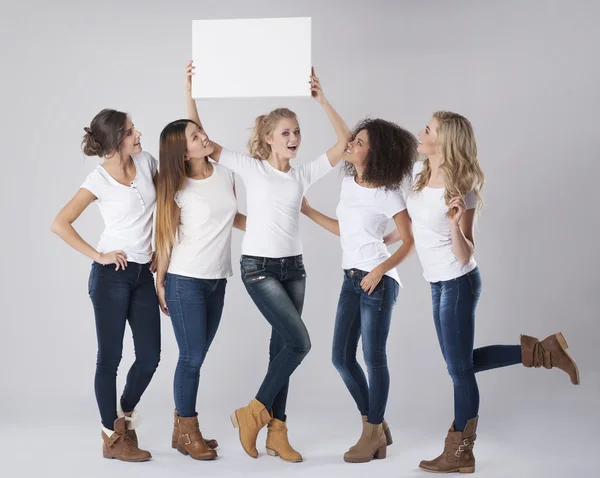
{"points": [[105, 133], [392, 153], [173, 169]]}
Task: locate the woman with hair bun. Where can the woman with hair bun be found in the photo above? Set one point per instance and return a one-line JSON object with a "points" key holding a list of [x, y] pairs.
{"points": [[121, 285]]}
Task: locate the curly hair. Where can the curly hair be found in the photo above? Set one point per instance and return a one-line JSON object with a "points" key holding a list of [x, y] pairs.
{"points": [[460, 164], [392, 153]]}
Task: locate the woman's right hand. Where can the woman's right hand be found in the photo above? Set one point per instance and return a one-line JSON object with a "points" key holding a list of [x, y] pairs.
{"points": [[305, 207], [189, 72], [162, 301], [114, 257]]}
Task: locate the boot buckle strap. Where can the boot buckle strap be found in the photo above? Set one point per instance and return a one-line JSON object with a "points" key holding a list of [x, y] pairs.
{"points": [[188, 441]]}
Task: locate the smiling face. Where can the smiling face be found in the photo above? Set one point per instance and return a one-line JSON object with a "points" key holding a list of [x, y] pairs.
{"points": [[358, 148], [428, 138], [285, 139], [130, 143], [198, 144]]}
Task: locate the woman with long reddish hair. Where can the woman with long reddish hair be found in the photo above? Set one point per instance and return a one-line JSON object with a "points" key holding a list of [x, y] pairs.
{"points": [[196, 210]]}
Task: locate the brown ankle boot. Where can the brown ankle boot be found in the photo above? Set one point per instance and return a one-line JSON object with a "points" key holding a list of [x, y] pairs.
{"points": [[249, 420], [120, 446], [386, 430], [130, 428], [278, 444], [372, 444], [458, 452], [551, 352], [209, 441], [190, 441]]}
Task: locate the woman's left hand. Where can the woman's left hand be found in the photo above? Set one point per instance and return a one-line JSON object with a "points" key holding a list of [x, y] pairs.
{"points": [[457, 208], [371, 280], [315, 87]]}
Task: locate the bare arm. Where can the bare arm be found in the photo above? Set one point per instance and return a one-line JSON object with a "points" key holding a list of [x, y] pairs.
{"points": [[192, 108], [321, 219], [404, 230], [462, 230], [336, 153], [162, 266], [62, 226]]}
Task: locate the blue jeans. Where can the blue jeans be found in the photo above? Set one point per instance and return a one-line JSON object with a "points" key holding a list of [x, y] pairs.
{"points": [[119, 297], [277, 288], [454, 303], [369, 316], [195, 307]]}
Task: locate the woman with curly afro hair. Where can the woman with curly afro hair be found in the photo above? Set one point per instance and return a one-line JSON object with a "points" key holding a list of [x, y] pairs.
{"points": [[378, 159]]}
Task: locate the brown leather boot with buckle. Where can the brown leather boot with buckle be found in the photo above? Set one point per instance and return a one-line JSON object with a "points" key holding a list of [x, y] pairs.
{"points": [[175, 437], [120, 446], [250, 420], [549, 353], [190, 440], [372, 444], [278, 443], [458, 451]]}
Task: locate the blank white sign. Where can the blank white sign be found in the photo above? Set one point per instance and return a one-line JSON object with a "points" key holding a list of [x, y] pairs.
{"points": [[251, 57]]}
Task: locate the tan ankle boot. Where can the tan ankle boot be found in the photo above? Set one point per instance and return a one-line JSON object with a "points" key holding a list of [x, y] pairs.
{"points": [[249, 420], [386, 430], [551, 352], [372, 444], [175, 437], [278, 444], [120, 446], [458, 452], [190, 441]]}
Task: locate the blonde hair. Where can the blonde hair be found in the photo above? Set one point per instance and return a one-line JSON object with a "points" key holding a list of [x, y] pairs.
{"points": [[264, 126], [460, 165]]}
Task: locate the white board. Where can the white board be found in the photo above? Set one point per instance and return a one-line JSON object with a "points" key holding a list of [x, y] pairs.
{"points": [[251, 57]]}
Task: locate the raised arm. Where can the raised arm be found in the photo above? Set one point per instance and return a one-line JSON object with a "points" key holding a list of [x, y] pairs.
{"points": [[62, 226], [342, 131], [321, 219], [404, 230], [192, 108]]}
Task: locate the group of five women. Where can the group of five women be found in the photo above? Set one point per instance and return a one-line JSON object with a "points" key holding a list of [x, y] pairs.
{"points": [[429, 187]]}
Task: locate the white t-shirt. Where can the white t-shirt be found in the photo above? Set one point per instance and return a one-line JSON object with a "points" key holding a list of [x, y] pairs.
{"points": [[431, 230], [127, 210], [208, 208], [273, 202], [363, 215]]}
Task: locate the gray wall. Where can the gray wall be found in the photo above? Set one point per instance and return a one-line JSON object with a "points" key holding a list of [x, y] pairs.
{"points": [[522, 71]]}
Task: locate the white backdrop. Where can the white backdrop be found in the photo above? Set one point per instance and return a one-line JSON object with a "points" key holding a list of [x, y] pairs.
{"points": [[521, 71]]}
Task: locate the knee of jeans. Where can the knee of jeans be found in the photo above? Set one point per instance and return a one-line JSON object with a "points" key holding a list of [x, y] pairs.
{"points": [[109, 364], [302, 346], [193, 360], [339, 360], [148, 363], [375, 359], [459, 370]]}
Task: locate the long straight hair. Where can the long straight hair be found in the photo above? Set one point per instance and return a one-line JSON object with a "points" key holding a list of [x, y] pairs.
{"points": [[173, 169]]}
